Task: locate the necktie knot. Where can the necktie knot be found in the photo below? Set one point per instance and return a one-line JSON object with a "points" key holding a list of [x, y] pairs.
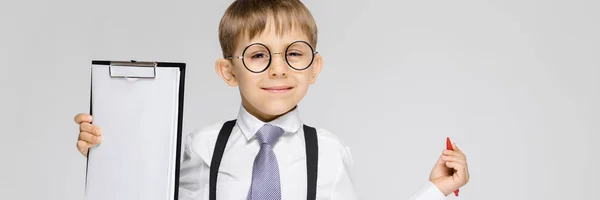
{"points": [[269, 134]]}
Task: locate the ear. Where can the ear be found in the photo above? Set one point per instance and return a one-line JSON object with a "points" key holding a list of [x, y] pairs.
{"points": [[224, 69], [316, 68]]}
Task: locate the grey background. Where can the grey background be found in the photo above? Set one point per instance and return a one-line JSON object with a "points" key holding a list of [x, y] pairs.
{"points": [[513, 83]]}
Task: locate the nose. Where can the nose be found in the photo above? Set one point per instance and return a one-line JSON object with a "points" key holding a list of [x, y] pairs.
{"points": [[278, 68]]}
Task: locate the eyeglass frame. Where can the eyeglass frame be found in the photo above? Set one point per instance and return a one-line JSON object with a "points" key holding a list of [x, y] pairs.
{"points": [[275, 53]]}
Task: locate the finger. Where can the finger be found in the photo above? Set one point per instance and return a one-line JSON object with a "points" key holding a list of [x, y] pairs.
{"points": [[457, 167], [455, 147], [83, 147], [460, 171], [87, 127], [82, 117], [453, 153], [440, 161], [90, 138], [453, 159]]}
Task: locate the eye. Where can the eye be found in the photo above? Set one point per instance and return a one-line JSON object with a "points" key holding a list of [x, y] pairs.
{"points": [[294, 54], [259, 55]]}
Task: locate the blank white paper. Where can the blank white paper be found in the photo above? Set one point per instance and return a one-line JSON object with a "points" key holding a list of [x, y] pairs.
{"points": [[139, 118]]}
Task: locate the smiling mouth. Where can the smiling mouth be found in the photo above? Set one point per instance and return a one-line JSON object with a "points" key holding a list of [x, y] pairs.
{"points": [[278, 89]]}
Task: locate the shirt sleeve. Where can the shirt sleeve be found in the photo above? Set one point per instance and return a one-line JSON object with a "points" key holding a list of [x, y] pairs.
{"points": [[343, 188], [190, 184], [429, 191]]}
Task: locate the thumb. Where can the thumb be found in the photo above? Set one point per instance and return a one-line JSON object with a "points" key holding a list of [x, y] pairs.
{"points": [[440, 162], [443, 166], [439, 169]]}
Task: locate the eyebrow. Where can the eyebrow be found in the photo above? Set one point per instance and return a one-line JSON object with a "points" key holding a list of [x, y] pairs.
{"points": [[285, 45]]}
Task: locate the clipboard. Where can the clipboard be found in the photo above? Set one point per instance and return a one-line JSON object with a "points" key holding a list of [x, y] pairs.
{"points": [[139, 106]]}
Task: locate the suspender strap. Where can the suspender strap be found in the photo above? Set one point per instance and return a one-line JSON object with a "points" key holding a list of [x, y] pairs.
{"points": [[312, 158], [217, 155], [312, 161]]}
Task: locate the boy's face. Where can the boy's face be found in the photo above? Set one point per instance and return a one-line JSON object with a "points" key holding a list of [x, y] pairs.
{"points": [[279, 88]]}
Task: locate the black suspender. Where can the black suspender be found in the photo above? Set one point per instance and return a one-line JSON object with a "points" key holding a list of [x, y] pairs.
{"points": [[217, 155], [312, 159]]}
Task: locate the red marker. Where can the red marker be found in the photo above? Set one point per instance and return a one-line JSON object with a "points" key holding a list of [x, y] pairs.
{"points": [[449, 147]]}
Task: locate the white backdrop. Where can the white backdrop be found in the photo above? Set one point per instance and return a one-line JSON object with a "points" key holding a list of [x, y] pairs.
{"points": [[513, 83]]}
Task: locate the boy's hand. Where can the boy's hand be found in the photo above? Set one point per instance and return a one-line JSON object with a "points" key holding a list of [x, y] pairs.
{"points": [[89, 135], [451, 171]]}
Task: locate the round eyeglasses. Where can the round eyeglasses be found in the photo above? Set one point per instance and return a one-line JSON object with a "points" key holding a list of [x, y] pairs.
{"points": [[257, 58]]}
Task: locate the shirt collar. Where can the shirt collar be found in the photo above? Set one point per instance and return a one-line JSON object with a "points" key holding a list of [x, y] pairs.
{"points": [[249, 124]]}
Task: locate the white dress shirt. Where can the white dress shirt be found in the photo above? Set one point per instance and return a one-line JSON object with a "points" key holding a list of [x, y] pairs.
{"points": [[334, 180]]}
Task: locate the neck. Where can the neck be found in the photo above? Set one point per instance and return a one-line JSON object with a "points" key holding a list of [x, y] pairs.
{"points": [[260, 115]]}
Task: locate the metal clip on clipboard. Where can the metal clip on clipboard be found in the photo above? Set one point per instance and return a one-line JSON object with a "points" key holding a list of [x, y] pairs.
{"points": [[132, 69]]}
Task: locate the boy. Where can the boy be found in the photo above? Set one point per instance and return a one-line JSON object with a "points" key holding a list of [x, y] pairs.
{"points": [[267, 153]]}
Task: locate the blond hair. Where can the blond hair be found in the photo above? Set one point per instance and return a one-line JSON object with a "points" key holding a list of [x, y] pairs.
{"points": [[249, 18]]}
